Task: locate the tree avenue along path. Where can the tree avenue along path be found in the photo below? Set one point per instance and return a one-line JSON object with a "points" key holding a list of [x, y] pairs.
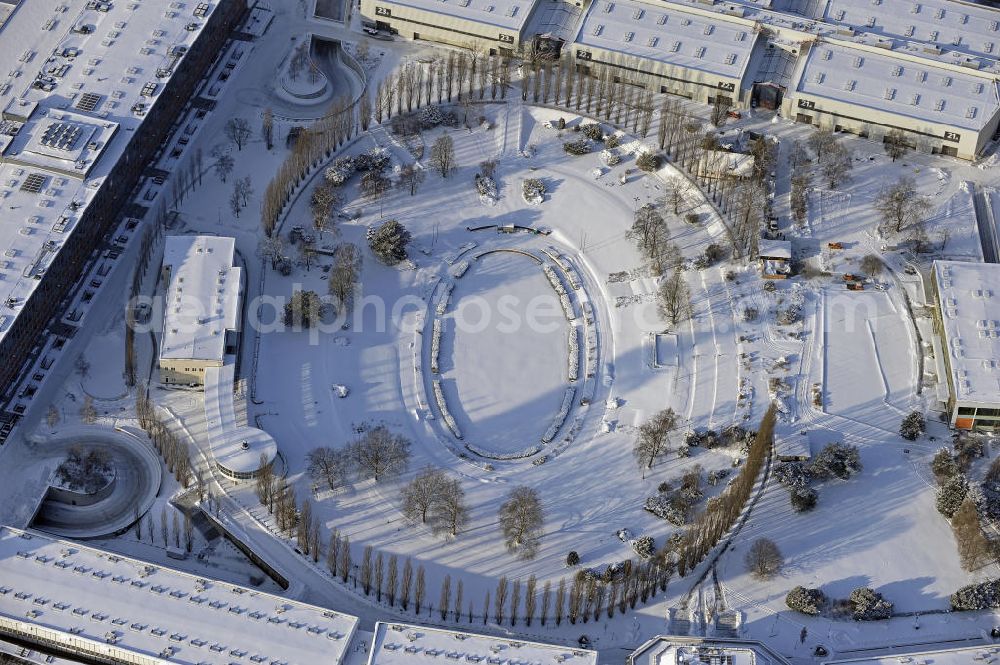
{"points": [[503, 353]]}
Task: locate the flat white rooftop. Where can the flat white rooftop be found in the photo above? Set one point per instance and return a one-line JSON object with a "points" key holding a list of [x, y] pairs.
{"points": [[669, 650], [953, 26], [668, 34], [404, 644], [969, 304], [97, 66], [919, 90], [202, 300], [146, 609], [958, 656], [506, 14]]}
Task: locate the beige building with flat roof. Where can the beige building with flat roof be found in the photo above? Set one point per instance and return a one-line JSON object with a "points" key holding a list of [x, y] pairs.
{"points": [[201, 307]]}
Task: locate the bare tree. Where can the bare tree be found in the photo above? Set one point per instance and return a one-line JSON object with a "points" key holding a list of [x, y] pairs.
{"points": [[88, 413], [392, 580], [380, 454], [530, 600], [521, 519], [895, 144], [821, 140], [188, 533], [443, 155], [836, 164], [375, 187], [452, 511], [406, 584], [419, 589], [674, 298], [410, 178], [366, 570], [421, 493], [235, 201], [675, 187], [445, 600], [329, 466], [238, 131], [653, 439], [900, 205], [500, 599], [267, 128], [872, 265], [224, 166], [344, 274], [322, 203], [763, 559]]}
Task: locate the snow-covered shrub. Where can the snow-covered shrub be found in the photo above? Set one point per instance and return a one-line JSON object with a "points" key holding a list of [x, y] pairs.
{"points": [[578, 147], [913, 425], [644, 546], [836, 460], [340, 171], [533, 190], [869, 605], [574, 354], [806, 600], [692, 218], [967, 447], [611, 157], [737, 436], [444, 299], [792, 474], [592, 131], [670, 507], [487, 188], [951, 495], [770, 286], [443, 407], [430, 116], [573, 558], [789, 315], [803, 499], [982, 596], [705, 438], [648, 161], [560, 417], [714, 477], [376, 159], [943, 466], [513, 455], [715, 253], [388, 241], [435, 345], [613, 141]]}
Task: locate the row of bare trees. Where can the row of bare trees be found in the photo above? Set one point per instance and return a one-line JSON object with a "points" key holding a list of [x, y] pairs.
{"points": [[175, 452], [464, 76], [315, 143], [722, 511]]}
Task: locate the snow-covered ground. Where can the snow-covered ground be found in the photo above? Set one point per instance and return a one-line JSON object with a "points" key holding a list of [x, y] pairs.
{"points": [[857, 349]]}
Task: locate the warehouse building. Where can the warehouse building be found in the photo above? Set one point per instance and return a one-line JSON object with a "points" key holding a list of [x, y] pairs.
{"points": [[697, 54], [201, 307], [967, 343], [870, 91], [496, 26], [90, 92], [70, 600], [404, 644]]}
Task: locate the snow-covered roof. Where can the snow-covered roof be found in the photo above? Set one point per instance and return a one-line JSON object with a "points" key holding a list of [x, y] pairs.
{"points": [[404, 644], [506, 14], [59, 145], [669, 34], [969, 304], [671, 650], [235, 445], [775, 249], [952, 26], [920, 90], [81, 593], [958, 656], [203, 297]]}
